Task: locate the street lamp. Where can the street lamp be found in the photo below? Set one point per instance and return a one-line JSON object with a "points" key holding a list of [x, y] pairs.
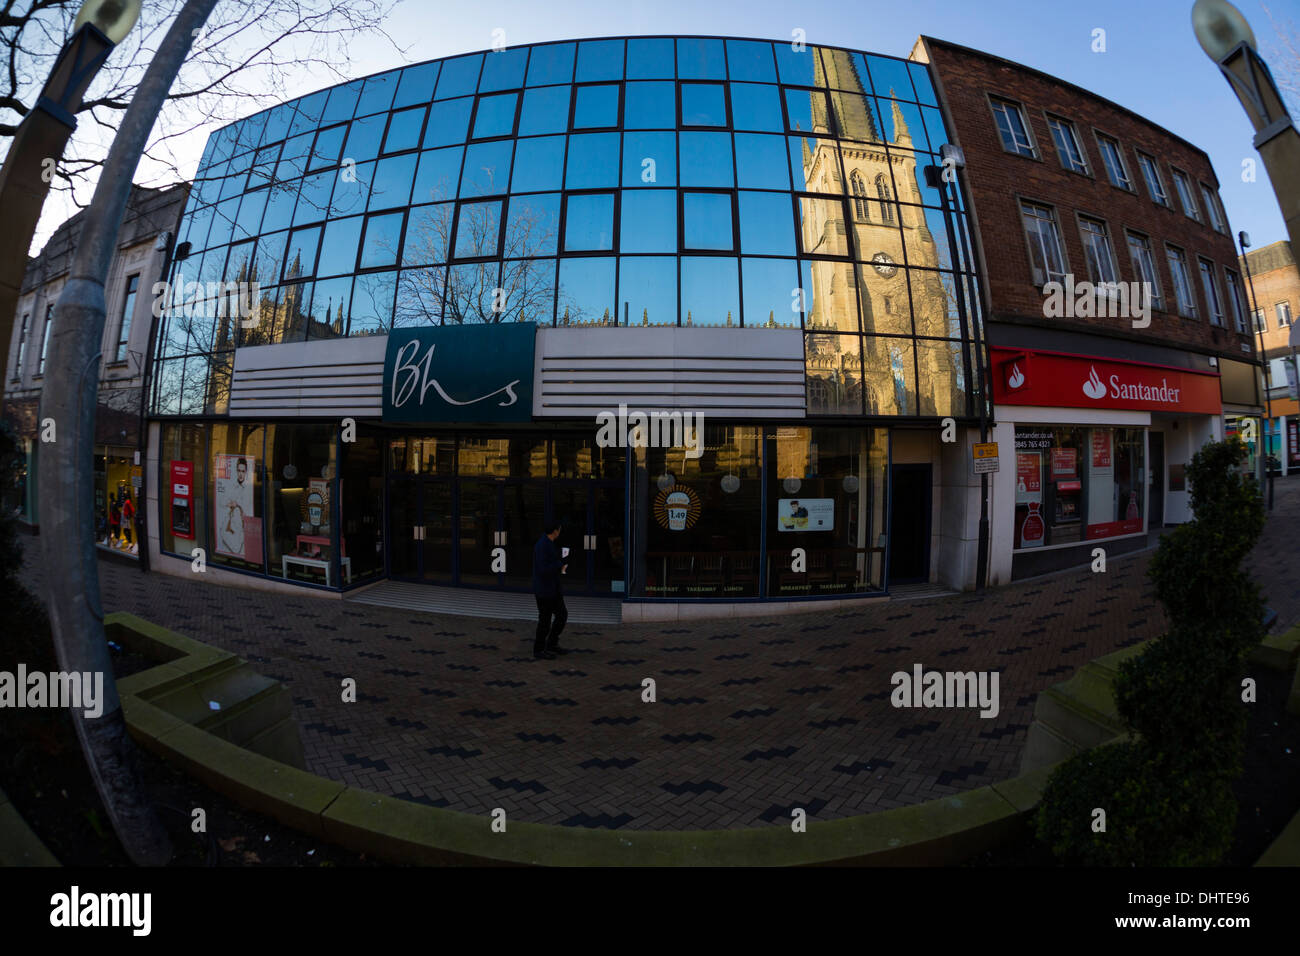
{"points": [[1227, 39], [44, 132]]}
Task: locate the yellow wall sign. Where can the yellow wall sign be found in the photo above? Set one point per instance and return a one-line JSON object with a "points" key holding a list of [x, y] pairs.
{"points": [[984, 457], [985, 449]]}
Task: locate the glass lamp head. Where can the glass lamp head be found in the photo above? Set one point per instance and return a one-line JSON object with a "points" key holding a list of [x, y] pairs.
{"points": [[114, 17], [1219, 27]]}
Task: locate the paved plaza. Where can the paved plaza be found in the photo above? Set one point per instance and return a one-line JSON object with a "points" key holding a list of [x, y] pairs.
{"points": [[753, 718]]}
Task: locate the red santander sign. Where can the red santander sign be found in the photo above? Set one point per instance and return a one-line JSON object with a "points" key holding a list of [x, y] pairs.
{"points": [[1057, 379]]}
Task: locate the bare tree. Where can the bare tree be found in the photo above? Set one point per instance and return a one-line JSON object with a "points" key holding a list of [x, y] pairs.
{"points": [[1282, 51], [242, 58]]}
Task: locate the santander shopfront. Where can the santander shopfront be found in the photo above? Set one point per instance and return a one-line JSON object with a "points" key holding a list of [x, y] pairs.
{"points": [[1094, 450]]}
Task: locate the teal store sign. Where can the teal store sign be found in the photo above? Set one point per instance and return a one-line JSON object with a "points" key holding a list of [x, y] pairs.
{"points": [[460, 373]]}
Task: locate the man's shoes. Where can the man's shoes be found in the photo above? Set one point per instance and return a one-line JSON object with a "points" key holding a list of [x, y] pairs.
{"points": [[544, 656]]}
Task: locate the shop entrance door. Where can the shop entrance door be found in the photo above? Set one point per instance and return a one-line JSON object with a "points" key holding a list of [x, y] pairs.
{"points": [[909, 524], [421, 530], [1156, 481]]}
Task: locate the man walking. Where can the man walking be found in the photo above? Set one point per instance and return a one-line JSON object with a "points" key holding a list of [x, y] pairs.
{"points": [[547, 568]]}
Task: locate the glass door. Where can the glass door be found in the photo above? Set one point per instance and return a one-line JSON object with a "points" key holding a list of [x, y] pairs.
{"points": [[437, 544], [606, 529], [404, 528], [478, 524], [523, 509]]}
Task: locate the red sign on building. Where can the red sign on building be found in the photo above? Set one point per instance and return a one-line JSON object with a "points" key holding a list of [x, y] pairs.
{"points": [[1082, 381]]}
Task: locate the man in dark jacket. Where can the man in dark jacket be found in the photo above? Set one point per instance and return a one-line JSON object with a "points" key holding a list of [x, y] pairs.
{"points": [[547, 568]]}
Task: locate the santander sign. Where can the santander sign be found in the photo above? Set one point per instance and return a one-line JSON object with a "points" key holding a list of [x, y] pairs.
{"points": [[1053, 379]]}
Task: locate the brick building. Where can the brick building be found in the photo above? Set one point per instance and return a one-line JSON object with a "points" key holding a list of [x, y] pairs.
{"points": [[138, 263], [1273, 288], [1105, 393]]}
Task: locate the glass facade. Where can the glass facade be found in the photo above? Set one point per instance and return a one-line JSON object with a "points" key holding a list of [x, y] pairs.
{"points": [[640, 182]]}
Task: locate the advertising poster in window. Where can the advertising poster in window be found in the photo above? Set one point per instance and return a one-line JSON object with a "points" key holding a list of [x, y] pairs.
{"points": [[1101, 448], [233, 505], [805, 514], [182, 493], [1030, 528], [1293, 443], [1065, 464]]}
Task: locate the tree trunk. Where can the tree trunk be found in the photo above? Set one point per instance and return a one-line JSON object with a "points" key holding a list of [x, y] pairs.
{"points": [[66, 491]]}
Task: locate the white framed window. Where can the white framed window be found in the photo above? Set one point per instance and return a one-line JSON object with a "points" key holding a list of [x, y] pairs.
{"points": [[1184, 297], [1151, 174], [1068, 146], [1236, 301], [22, 347], [1261, 323], [1183, 186], [1112, 158], [1013, 128], [1144, 265], [1283, 312], [1046, 252], [1213, 299], [1214, 209], [45, 339], [128, 309], [1097, 251]]}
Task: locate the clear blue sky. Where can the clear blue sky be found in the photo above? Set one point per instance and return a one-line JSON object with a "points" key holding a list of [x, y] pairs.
{"points": [[1152, 62]]}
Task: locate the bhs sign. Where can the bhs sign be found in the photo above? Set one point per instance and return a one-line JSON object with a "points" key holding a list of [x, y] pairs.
{"points": [[460, 373]]}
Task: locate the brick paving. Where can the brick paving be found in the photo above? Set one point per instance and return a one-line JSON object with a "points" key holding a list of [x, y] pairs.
{"points": [[753, 717]]}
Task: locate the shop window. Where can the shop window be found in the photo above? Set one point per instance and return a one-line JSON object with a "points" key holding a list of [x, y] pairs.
{"points": [[234, 481], [1076, 484], [300, 534], [183, 478]]}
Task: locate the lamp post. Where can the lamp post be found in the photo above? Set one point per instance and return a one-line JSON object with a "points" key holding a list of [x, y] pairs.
{"points": [[44, 133]]}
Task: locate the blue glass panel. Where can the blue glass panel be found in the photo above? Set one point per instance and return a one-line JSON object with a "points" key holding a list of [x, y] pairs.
{"points": [[279, 208], [338, 251], [251, 134], [342, 103], [710, 291], [923, 85], [545, 110], [459, 76], [706, 221], [771, 287], [704, 104], [766, 224], [647, 290], [469, 297], [329, 309], [448, 122], [495, 115], [372, 303], [539, 164], [487, 168], [263, 169], [416, 85], [796, 67], [807, 111], [377, 94], [503, 69], [300, 258], [705, 159], [428, 234], [249, 220], [382, 240], [404, 130], [654, 106], [419, 297], [856, 117], [533, 226], [309, 112], [593, 161], [650, 59], [270, 257], [648, 221], [650, 159], [934, 127], [589, 223], [901, 124], [599, 60], [329, 145], [223, 222], [701, 60], [478, 229], [751, 60], [293, 161], [392, 185], [756, 107], [761, 161], [814, 165], [351, 190], [530, 290], [363, 138], [314, 198], [586, 293], [596, 107], [888, 74], [551, 63], [277, 124]]}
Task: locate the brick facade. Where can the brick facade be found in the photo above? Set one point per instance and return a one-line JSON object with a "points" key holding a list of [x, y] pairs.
{"points": [[998, 179]]}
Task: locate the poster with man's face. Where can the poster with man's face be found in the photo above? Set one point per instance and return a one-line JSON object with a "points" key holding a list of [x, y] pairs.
{"points": [[233, 502]]}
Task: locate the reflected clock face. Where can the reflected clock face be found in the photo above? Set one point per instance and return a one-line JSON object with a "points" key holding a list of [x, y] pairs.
{"points": [[883, 264]]}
